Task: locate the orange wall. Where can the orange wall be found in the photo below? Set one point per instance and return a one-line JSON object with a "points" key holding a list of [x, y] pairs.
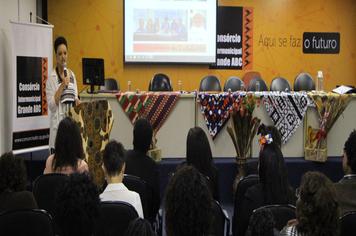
{"points": [[94, 28]]}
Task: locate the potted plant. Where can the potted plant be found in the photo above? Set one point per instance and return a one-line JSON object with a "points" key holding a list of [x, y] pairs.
{"points": [[242, 129]]}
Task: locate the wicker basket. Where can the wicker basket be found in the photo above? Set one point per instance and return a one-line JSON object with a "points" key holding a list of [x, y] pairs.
{"points": [[316, 154]]}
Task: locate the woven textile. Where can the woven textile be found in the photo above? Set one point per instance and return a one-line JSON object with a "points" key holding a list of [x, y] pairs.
{"points": [[286, 110], [216, 109], [154, 106], [95, 120]]}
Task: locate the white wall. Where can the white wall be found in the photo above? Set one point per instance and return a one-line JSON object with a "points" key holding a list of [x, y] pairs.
{"points": [[9, 10]]}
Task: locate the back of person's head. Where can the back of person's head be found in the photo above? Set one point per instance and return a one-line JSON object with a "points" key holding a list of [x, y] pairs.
{"points": [[350, 151], [188, 203], [317, 208], [77, 205], [273, 174], [59, 40], [263, 130], [198, 151], [12, 173], [261, 224], [140, 227], [142, 135], [68, 144], [114, 158]]}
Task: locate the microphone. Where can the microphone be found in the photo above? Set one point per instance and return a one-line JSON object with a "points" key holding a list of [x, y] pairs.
{"points": [[65, 71]]}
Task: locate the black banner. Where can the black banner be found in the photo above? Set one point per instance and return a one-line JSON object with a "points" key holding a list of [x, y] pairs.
{"points": [[229, 38], [29, 86], [32, 138], [321, 43]]}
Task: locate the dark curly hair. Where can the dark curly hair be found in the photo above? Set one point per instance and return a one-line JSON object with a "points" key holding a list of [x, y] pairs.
{"points": [[317, 208], [68, 145], [261, 223], [77, 206], [140, 227], [13, 175], [350, 150], [59, 40], [114, 157], [142, 135], [188, 204]]}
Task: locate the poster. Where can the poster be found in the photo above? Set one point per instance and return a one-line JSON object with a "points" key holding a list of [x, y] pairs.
{"points": [[32, 62], [234, 38]]}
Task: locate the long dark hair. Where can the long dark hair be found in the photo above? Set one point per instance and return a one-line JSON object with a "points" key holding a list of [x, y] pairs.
{"points": [[273, 175], [198, 151], [68, 145]]}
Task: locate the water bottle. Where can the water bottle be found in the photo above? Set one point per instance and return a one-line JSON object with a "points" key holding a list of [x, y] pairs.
{"points": [[258, 86], [180, 85], [129, 85], [320, 81], [242, 86]]}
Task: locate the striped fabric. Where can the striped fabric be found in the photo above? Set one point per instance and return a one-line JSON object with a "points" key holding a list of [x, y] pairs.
{"points": [[154, 106]]}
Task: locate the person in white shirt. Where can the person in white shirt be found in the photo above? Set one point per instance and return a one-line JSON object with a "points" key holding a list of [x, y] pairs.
{"points": [[114, 167], [61, 89]]}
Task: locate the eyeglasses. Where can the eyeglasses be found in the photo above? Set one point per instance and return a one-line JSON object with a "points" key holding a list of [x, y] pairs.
{"points": [[297, 192]]}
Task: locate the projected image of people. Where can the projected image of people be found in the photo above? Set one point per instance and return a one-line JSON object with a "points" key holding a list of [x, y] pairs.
{"points": [[197, 31], [160, 25]]}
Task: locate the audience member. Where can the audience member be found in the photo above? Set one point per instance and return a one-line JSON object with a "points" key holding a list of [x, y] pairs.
{"points": [[68, 157], [13, 184], [114, 168], [199, 155], [188, 204], [141, 165], [317, 208], [77, 206], [273, 186], [262, 224], [346, 187], [140, 227]]}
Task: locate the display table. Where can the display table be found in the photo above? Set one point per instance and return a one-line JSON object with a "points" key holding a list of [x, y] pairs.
{"points": [[187, 113]]}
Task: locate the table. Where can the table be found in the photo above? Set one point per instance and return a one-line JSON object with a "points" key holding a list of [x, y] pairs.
{"points": [[186, 114]]}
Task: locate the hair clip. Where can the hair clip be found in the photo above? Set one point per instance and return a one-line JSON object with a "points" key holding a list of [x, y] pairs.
{"points": [[265, 139]]}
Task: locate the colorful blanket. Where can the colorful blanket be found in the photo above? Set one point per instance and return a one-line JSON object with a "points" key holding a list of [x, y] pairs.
{"points": [[216, 109], [286, 110], [154, 106]]}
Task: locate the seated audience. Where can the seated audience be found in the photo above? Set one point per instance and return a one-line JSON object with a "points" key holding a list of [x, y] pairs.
{"points": [[114, 168], [262, 224], [69, 154], [199, 155], [317, 208], [141, 165], [77, 206], [346, 187], [273, 186], [140, 227], [13, 184], [188, 204]]}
